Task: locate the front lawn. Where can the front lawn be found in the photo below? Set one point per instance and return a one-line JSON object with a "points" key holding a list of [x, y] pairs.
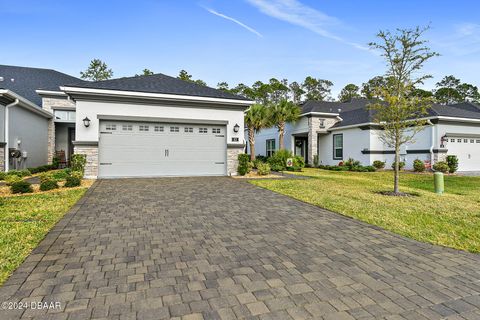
{"points": [[26, 219], [451, 219]]}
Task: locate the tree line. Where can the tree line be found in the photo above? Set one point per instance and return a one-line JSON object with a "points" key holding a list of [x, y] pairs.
{"points": [[447, 91]]}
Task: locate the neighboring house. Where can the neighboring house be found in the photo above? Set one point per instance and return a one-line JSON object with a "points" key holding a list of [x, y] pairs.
{"points": [[23, 123], [336, 131]]}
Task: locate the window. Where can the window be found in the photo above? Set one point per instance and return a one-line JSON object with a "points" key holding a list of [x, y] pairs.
{"points": [[322, 123], [158, 128], [174, 129], [270, 147], [202, 130], [64, 115], [127, 127], [143, 128], [216, 130], [188, 129], [478, 141], [111, 127], [459, 140], [472, 141], [338, 146], [452, 140], [465, 140]]}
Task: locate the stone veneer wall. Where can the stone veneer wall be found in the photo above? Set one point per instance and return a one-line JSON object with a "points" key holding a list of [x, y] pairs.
{"points": [[91, 167], [48, 103], [313, 131], [440, 155], [232, 158]]}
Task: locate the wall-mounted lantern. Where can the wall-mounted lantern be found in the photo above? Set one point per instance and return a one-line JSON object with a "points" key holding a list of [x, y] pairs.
{"points": [[86, 122], [236, 128]]}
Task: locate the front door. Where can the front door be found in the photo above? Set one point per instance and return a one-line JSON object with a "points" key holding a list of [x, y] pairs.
{"points": [[301, 147], [71, 138]]}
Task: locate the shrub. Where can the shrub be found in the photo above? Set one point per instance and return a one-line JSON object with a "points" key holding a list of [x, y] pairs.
{"points": [[315, 160], [76, 174], [263, 169], [261, 158], [3, 175], [78, 161], [351, 163], [370, 168], [298, 162], [48, 184], [452, 162], [244, 164], [72, 181], [43, 168], [278, 162], [55, 162], [10, 179], [401, 165], [45, 176], [418, 165], [441, 166], [21, 187], [19, 173], [379, 164], [257, 162], [60, 174]]}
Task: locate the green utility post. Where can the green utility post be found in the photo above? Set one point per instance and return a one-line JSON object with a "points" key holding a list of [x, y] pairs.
{"points": [[438, 182]]}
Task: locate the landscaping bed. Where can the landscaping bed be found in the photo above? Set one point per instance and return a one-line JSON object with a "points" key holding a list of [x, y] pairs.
{"points": [[451, 219]]}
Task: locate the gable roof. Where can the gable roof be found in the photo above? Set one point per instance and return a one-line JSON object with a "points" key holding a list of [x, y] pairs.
{"points": [[157, 83], [357, 111], [26, 80]]}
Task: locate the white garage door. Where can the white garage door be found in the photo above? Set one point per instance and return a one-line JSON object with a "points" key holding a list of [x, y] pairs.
{"points": [[467, 149], [136, 149]]}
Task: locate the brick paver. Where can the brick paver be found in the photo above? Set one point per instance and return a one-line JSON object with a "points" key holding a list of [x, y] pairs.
{"points": [[219, 248]]}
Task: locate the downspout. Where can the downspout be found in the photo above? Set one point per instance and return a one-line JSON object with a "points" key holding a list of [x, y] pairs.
{"points": [[6, 154], [432, 142]]}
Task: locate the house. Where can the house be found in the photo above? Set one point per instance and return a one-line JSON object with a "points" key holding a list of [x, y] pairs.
{"points": [[23, 122], [141, 126], [154, 125], [336, 131]]}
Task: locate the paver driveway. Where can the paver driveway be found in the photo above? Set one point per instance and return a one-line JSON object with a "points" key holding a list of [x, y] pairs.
{"points": [[219, 248]]}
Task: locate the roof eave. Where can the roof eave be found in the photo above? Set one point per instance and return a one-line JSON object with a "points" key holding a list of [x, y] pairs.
{"points": [[27, 104], [69, 90]]}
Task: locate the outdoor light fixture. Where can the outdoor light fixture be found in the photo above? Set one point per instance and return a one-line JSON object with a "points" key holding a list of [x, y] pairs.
{"points": [[236, 128], [86, 122]]}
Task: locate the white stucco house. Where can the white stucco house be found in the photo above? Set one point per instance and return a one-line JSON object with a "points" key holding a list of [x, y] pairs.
{"points": [[142, 126], [336, 131]]}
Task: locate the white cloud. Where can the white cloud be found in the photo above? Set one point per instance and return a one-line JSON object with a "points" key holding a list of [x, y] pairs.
{"points": [[235, 21], [463, 40], [294, 12]]}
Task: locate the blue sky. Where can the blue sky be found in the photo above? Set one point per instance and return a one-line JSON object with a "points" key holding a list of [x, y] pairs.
{"points": [[236, 40]]}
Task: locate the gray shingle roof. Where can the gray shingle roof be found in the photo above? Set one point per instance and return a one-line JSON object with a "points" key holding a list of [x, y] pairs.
{"points": [[27, 80], [357, 112], [157, 83]]}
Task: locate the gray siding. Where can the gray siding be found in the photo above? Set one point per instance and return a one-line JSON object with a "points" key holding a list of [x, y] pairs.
{"points": [[32, 130], [2, 123]]}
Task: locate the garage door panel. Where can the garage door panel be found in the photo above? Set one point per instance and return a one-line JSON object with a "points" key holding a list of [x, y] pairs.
{"points": [[191, 150], [467, 149]]}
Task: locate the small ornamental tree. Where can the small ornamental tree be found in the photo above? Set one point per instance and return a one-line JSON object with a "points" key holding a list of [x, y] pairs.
{"points": [[255, 120], [280, 114], [398, 112]]}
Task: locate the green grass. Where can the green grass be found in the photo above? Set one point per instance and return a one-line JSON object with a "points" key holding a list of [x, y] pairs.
{"points": [[451, 219], [25, 220]]}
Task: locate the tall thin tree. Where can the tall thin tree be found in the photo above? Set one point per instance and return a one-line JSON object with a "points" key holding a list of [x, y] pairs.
{"points": [[280, 114], [255, 120]]}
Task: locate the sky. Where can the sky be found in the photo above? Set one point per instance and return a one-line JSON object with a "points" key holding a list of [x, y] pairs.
{"points": [[238, 41]]}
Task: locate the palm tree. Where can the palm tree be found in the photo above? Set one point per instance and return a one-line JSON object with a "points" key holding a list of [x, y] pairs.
{"points": [[280, 114], [255, 120]]}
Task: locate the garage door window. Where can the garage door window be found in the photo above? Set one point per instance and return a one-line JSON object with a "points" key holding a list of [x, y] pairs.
{"points": [[158, 128], [174, 129], [127, 127], [143, 128], [216, 130], [202, 130], [459, 140], [452, 140], [188, 129], [111, 127]]}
